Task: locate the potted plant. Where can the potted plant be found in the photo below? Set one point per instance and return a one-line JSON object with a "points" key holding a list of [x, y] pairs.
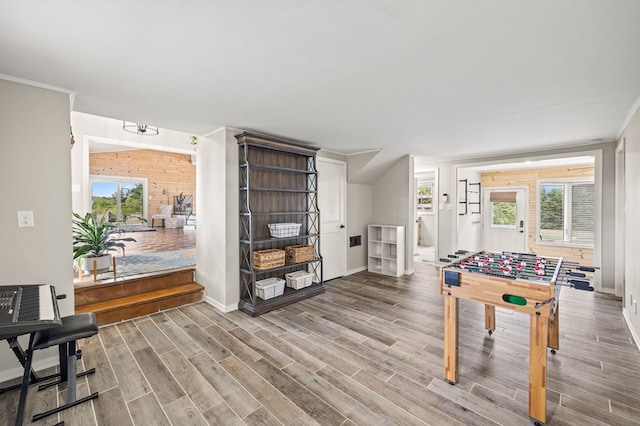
{"points": [[92, 241]]}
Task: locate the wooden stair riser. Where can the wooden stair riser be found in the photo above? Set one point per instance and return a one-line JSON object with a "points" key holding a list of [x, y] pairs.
{"points": [[106, 291]]}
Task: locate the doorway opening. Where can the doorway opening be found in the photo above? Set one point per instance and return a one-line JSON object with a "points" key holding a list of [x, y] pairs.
{"points": [[426, 216], [157, 207], [545, 206], [145, 187]]}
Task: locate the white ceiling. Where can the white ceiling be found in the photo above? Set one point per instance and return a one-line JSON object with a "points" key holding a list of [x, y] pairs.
{"points": [[442, 79]]}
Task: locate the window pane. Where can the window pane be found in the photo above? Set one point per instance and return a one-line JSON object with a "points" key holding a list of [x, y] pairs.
{"points": [[503, 215], [552, 212], [582, 213], [131, 202], [104, 199]]}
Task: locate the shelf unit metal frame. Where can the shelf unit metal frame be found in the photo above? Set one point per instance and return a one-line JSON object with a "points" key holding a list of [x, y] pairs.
{"points": [[250, 241]]}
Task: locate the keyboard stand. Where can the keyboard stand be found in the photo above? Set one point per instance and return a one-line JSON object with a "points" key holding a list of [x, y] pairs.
{"points": [[25, 382], [22, 357]]}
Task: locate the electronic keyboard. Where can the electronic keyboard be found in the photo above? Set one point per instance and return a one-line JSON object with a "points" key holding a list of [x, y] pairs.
{"points": [[26, 309]]}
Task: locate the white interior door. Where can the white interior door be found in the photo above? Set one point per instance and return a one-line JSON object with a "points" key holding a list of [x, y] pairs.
{"points": [[505, 219], [332, 199]]}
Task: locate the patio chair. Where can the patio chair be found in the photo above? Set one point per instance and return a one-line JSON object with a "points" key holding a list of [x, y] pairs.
{"points": [[166, 214]]}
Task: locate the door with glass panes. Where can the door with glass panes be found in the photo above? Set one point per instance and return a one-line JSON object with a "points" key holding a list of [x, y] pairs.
{"points": [[505, 219]]}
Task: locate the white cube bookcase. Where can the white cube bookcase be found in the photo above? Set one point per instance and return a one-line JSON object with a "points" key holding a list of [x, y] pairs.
{"points": [[386, 249]]}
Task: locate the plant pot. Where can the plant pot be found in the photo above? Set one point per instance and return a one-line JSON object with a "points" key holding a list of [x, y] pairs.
{"points": [[103, 264]]}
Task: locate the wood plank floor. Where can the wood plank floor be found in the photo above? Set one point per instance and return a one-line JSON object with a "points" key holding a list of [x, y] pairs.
{"points": [[368, 351]]}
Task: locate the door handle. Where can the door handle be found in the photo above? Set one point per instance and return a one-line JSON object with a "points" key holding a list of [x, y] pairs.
{"points": [[341, 226]]}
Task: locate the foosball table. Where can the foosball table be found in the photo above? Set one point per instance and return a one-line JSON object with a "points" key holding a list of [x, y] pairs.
{"points": [[519, 281]]}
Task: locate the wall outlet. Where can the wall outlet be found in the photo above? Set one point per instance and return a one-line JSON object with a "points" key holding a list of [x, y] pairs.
{"points": [[25, 219]]}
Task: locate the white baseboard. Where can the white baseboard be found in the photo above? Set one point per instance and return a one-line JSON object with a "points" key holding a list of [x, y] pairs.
{"points": [[634, 334], [19, 371], [219, 306], [353, 271]]}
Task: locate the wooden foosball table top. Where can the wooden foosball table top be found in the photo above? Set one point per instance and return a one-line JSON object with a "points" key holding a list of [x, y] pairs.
{"points": [[522, 282]]}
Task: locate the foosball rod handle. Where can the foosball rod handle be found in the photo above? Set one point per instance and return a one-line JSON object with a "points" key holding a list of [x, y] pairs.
{"points": [[579, 282], [578, 286]]}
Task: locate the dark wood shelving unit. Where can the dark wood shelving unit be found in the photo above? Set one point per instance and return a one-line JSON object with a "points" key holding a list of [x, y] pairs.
{"points": [[278, 184]]}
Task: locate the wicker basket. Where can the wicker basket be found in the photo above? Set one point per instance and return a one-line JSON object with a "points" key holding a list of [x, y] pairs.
{"points": [[300, 253], [267, 259]]}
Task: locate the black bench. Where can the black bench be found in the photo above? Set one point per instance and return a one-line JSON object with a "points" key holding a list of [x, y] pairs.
{"points": [[73, 327]]}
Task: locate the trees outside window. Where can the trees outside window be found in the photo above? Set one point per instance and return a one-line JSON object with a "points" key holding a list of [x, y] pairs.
{"points": [[503, 214]]}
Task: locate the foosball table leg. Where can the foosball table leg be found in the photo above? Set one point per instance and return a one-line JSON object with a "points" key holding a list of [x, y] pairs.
{"points": [[451, 339], [538, 330], [490, 318]]}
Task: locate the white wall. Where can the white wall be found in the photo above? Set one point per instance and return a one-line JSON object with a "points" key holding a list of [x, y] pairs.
{"points": [[606, 229], [446, 211], [35, 175], [217, 230], [631, 297], [394, 202], [359, 215], [469, 232]]}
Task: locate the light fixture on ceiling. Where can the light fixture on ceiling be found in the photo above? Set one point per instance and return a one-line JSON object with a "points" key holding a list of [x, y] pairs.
{"points": [[139, 129]]}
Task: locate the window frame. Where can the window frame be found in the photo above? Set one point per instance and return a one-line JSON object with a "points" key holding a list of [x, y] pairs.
{"points": [[568, 184]]}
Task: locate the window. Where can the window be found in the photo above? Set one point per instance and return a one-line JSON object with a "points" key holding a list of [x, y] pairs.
{"points": [[425, 197], [121, 199], [503, 215], [566, 212]]}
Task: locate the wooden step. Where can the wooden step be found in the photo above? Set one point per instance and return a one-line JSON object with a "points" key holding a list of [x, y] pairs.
{"points": [[136, 305]]}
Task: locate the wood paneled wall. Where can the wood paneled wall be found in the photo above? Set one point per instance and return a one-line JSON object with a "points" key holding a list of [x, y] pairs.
{"points": [[172, 171], [528, 178]]}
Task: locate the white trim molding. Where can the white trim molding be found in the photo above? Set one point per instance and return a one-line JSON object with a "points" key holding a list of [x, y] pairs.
{"points": [[219, 306], [634, 334]]}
